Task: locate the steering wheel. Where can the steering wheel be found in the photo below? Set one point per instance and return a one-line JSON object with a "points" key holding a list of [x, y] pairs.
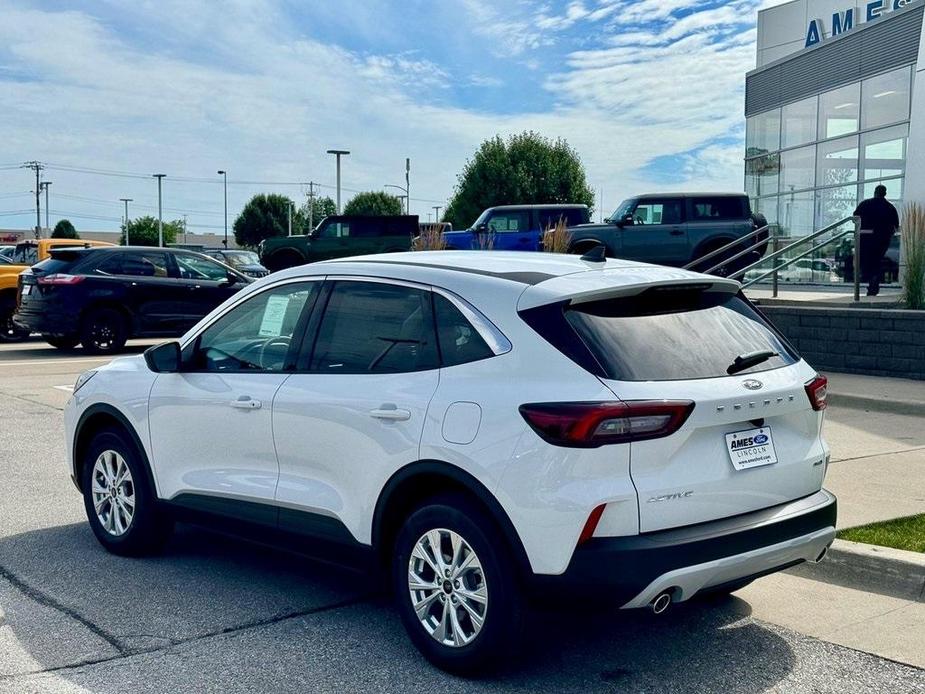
{"points": [[281, 341]]}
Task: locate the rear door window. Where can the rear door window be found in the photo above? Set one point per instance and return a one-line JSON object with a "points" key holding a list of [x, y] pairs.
{"points": [[671, 333], [373, 327], [668, 211], [717, 209], [571, 217], [145, 264], [509, 222], [460, 342]]}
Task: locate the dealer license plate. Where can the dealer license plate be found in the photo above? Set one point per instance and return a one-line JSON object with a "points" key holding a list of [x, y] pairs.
{"points": [[26, 289], [751, 448]]}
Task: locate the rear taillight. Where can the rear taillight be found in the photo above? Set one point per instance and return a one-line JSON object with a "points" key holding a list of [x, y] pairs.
{"points": [[592, 424], [817, 390], [61, 279]]}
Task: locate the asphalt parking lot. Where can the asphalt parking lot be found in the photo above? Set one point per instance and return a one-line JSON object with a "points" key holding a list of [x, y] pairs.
{"points": [[216, 614]]}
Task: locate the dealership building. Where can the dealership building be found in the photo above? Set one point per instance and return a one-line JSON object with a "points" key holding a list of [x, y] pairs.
{"points": [[832, 109]]}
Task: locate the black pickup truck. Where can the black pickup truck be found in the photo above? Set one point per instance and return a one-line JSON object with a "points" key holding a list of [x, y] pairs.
{"points": [[338, 236], [674, 228]]}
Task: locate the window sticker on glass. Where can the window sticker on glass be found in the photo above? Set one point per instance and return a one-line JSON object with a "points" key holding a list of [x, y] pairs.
{"points": [[273, 315]]}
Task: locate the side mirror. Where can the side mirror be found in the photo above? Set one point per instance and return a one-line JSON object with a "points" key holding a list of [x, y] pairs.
{"points": [[625, 220], [163, 358], [230, 278], [481, 228]]}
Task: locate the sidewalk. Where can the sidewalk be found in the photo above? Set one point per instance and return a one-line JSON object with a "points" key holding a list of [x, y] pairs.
{"points": [[896, 395], [840, 296]]}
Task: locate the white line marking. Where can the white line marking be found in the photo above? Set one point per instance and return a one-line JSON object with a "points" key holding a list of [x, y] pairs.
{"points": [[66, 389], [85, 360]]}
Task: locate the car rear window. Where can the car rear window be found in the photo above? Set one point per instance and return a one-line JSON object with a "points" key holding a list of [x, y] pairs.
{"points": [[52, 266], [718, 208], [572, 216], [664, 334]]}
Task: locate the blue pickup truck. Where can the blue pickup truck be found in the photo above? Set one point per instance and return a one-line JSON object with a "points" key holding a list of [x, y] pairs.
{"points": [[515, 227]]}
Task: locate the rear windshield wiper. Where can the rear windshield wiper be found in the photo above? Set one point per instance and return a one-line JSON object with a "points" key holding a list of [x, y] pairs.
{"points": [[746, 361]]}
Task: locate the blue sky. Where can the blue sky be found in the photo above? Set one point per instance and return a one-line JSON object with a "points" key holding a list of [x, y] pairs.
{"points": [[648, 91]]}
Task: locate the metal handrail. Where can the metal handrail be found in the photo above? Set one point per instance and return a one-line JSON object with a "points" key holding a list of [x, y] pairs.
{"points": [[856, 231], [723, 249]]}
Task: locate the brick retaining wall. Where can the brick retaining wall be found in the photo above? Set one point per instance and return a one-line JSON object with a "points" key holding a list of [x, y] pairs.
{"points": [[862, 341]]}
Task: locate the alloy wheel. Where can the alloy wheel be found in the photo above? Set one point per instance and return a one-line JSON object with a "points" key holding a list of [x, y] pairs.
{"points": [[113, 493], [447, 586]]}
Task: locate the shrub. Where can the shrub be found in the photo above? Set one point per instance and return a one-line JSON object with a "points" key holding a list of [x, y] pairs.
{"points": [[431, 238], [913, 241], [64, 230], [557, 239]]}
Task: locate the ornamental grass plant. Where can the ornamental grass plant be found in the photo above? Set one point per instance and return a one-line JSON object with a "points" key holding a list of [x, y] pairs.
{"points": [[913, 242]]}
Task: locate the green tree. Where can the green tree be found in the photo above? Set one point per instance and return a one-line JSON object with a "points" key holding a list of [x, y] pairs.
{"points": [[142, 231], [374, 202], [64, 230], [266, 215], [320, 208], [524, 169]]}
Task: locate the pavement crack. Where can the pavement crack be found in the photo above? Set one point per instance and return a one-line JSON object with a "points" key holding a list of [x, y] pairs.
{"points": [[30, 401], [876, 455], [124, 653], [48, 601]]}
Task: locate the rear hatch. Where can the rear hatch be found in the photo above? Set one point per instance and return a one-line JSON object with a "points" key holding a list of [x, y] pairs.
{"points": [[39, 282], [752, 439]]}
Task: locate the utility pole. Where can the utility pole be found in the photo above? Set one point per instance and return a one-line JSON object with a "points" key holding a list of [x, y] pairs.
{"points": [[126, 201], [224, 174], [160, 216], [437, 213], [289, 216], [311, 206], [338, 153], [184, 230], [37, 167], [45, 185], [408, 184]]}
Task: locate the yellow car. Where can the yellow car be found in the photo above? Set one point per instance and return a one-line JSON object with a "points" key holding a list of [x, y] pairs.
{"points": [[25, 255]]}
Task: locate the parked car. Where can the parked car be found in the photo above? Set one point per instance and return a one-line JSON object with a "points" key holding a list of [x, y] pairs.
{"points": [[102, 297], [843, 260], [675, 229], [487, 428], [24, 255], [338, 236], [805, 270], [242, 261], [6, 260], [514, 227]]}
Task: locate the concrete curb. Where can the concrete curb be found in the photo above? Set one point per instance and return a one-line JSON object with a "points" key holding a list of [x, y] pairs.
{"points": [[877, 404], [870, 568]]}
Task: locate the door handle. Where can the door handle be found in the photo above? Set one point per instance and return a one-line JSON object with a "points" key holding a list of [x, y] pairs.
{"points": [[391, 412], [246, 402], [677, 232]]}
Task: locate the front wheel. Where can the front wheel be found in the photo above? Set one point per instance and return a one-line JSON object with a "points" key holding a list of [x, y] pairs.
{"points": [[456, 589], [120, 503]]}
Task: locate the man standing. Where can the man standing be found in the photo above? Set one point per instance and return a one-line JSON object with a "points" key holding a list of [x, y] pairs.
{"points": [[879, 221]]}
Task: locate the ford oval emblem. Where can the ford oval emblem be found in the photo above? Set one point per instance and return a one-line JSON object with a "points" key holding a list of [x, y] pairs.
{"points": [[752, 384], [760, 439]]}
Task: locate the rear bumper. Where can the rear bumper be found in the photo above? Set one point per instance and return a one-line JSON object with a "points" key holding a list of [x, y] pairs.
{"points": [[632, 571], [51, 320]]}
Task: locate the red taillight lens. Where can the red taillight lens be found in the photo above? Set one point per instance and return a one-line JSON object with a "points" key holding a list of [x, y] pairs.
{"points": [[592, 424], [61, 279], [817, 390]]}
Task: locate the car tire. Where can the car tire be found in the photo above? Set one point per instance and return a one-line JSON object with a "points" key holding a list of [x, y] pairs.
{"points": [[484, 631], [62, 341], [120, 502], [9, 331], [103, 331]]}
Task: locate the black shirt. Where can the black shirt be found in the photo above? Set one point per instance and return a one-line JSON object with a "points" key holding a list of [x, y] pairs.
{"points": [[879, 215]]}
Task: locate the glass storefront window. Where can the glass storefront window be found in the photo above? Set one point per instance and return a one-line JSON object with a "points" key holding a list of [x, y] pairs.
{"points": [[761, 175], [839, 111], [766, 207], [834, 204], [798, 123], [883, 152], [894, 190], [838, 162], [797, 169], [797, 213], [885, 98], [762, 133]]}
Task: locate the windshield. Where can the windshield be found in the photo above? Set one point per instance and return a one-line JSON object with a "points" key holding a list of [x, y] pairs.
{"points": [[240, 258], [624, 209]]}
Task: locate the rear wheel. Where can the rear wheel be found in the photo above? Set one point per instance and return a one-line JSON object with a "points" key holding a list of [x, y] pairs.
{"points": [[62, 341], [455, 587], [120, 503], [9, 331], [104, 331]]}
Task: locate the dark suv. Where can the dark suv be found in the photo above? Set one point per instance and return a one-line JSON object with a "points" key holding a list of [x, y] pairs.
{"points": [[674, 228], [102, 297]]}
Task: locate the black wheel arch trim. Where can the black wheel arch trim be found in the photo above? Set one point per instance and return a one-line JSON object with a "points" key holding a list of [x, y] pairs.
{"points": [[111, 411], [468, 482]]}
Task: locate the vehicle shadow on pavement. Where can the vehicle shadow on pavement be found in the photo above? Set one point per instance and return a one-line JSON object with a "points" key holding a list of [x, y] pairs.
{"points": [[233, 616]]}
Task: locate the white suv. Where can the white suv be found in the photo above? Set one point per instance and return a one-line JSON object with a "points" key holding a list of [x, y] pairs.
{"points": [[489, 426]]}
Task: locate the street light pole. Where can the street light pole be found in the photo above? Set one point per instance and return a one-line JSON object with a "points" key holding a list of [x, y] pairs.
{"points": [[45, 185], [126, 201], [437, 209], [408, 185], [160, 216], [224, 174], [289, 216], [404, 197], [338, 153]]}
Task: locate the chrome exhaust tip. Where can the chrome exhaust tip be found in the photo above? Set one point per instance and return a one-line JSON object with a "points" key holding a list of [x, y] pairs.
{"points": [[825, 550], [661, 603]]}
